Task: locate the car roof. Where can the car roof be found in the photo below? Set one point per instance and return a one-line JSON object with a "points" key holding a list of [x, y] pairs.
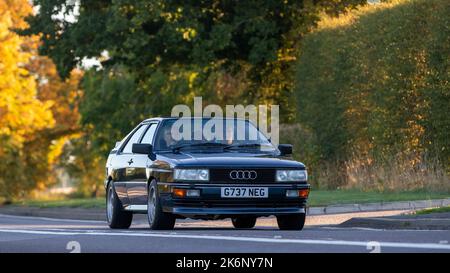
{"points": [[169, 118]]}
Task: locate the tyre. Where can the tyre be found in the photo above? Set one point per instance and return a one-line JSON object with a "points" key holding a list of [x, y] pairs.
{"points": [[157, 219], [291, 221], [244, 222], [115, 215]]}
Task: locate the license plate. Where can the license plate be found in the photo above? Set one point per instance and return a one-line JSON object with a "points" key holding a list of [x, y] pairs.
{"points": [[244, 192]]}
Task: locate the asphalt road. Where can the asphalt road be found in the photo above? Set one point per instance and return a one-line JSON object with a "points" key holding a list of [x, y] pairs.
{"points": [[31, 234]]}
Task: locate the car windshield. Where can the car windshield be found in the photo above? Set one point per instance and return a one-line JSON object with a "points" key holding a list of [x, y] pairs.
{"points": [[212, 134]]}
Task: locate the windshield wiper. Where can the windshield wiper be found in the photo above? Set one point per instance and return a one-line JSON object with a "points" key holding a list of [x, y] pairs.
{"points": [[248, 145], [213, 144]]}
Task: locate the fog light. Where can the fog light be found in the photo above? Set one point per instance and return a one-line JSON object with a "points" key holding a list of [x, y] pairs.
{"points": [[303, 193], [292, 193], [193, 193], [179, 192]]}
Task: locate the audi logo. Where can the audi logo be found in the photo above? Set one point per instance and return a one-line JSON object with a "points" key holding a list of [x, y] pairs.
{"points": [[243, 175]]}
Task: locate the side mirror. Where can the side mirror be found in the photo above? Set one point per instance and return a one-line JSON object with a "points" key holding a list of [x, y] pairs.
{"points": [[117, 144], [145, 149], [285, 149]]}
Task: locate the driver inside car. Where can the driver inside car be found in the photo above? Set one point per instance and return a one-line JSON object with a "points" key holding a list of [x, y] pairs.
{"points": [[167, 140]]}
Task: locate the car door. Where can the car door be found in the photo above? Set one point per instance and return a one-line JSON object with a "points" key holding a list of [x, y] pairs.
{"points": [[137, 186], [126, 166]]}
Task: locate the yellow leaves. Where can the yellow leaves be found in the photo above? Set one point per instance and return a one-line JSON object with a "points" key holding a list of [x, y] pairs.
{"points": [[172, 16], [38, 110], [21, 112], [12, 12], [286, 55], [192, 77], [188, 33], [56, 149], [333, 22]]}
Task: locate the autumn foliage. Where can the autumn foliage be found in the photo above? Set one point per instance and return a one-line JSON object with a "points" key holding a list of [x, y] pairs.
{"points": [[363, 89], [37, 109]]}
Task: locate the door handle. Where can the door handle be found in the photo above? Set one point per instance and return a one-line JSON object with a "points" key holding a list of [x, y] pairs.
{"points": [[131, 161]]}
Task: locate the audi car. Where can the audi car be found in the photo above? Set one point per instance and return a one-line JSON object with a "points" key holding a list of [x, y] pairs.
{"points": [[171, 172]]}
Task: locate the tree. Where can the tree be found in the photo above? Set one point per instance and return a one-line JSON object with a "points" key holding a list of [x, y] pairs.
{"points": [[35, 113], [47, 144], [166, 52], [21, 113]]}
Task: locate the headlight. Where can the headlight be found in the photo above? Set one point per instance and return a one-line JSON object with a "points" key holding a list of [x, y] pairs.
{"points": [[291, 175], [191, 174]]}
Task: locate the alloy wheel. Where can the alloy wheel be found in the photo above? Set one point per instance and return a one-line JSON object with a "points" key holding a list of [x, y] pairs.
{"points": [[151, 206], [110, 205]]}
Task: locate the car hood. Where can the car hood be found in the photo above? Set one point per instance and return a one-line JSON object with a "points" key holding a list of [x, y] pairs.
{"points": [[227, 159]]}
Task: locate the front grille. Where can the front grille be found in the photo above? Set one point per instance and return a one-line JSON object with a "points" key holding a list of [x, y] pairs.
{"points": [[223, 175]]}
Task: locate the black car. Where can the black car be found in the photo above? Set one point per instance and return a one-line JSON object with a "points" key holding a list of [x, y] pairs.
{"points": [[241, 178]]}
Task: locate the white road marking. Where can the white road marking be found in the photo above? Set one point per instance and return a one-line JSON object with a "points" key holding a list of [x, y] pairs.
{"points": [[231, 238]]}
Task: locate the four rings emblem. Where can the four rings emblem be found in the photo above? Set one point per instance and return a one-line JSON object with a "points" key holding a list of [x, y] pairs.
{"points": [[243, 175]]}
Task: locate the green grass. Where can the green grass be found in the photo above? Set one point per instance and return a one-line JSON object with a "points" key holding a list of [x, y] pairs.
{"points": [[68, 203], [323, 198], [316, 198], [434, 210]]}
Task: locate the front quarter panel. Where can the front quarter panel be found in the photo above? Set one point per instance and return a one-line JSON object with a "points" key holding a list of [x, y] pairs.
{"points": [[161, 170]]}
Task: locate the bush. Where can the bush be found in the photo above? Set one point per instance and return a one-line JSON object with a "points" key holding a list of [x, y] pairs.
{"points": [[375, 83]]}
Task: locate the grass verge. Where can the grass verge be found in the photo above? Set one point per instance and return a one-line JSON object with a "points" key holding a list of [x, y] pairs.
{"points": [[324, 198], [68, 203], [434, 210]]}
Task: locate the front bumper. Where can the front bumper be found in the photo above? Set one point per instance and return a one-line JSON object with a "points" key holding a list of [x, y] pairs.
{"points": [[234, 211], [210, 202]]}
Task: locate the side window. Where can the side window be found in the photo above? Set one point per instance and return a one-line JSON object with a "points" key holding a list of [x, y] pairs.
{"points": [[134, 139], [148, 137]]}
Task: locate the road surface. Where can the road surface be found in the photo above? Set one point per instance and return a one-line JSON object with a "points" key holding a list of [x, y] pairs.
{"points": [[33, 234]]}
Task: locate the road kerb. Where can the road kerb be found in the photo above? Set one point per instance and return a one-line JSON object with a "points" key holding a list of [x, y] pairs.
{"points": [[381, 206]]}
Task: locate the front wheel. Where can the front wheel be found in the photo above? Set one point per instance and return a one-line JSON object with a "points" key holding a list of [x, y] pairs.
{"points": [[157, 219], [115, 215], [291, 221], [244, 222]]}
